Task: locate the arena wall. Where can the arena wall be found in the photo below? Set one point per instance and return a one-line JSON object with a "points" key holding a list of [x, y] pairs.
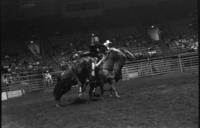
{"points": [[187, 62]]}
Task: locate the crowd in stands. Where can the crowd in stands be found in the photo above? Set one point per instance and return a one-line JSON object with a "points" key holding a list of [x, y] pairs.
{"points": [[186, 41], [20, 65], [136, 44], [69, 45]]}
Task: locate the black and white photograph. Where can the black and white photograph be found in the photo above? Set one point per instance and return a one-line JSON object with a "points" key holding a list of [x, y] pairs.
{"points": [[99, 64]]}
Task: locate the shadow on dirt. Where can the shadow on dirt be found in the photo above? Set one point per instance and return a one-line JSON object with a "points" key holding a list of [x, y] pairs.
{"points": [[78, 101]]}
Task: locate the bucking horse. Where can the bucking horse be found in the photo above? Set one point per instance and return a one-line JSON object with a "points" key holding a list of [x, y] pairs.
{"points": [[75, 72], [79, 71]]}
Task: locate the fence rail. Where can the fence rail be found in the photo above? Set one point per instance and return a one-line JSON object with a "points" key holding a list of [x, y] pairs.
{"points": [[147, 67]]}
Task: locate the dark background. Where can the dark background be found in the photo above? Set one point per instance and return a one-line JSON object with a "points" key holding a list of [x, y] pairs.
{"points": [[22, 18]]}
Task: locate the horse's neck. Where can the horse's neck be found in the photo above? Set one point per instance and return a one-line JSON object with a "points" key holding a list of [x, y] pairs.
{"points": [[81, 64], [109, 61]]}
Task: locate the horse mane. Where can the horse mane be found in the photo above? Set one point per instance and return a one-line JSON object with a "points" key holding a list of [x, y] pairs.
{"points": [[117, 55], [81, 60]]}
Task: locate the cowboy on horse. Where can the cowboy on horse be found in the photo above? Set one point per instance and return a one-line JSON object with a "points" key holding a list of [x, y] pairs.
{"points": [[97, 49], [107, 46]]}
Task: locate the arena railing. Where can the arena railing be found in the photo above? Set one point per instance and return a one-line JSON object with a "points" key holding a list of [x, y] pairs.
{"points": [[162, 65], [187, 62]]}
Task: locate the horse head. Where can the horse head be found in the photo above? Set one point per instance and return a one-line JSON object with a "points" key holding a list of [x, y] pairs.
{"points": [[128, 54]]}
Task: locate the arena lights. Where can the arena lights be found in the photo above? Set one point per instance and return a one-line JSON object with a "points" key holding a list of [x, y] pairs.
{"points": [[154, 33]]}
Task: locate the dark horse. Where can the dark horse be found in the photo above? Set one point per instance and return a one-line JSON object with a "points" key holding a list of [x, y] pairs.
{"points": [[109, 71], [77, 71]]}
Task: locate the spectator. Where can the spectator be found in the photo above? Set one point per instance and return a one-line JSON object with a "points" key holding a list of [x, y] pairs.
{"points": [[4, 80], [48, 81]]}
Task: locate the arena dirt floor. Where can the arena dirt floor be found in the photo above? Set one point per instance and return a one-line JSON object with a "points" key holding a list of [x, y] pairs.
{"points": [[169, 101]]}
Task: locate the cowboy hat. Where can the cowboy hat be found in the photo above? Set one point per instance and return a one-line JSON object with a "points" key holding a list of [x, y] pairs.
{"points": [[107, 42]]}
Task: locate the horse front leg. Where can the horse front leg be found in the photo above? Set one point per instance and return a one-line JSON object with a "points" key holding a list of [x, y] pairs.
{"points": [[114, 89]]}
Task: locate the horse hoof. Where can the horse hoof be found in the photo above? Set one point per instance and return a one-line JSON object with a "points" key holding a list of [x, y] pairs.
{"points": [[58, 105], [117, 96]]}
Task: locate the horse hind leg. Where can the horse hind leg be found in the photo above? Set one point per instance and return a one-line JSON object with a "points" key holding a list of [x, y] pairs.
{"points": [[58, 101], [91, 91], [113, 89], [57, 96], [58, 93]]}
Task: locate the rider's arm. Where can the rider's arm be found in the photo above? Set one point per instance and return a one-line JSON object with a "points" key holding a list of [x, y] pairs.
{"points": [[99, 63]]}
